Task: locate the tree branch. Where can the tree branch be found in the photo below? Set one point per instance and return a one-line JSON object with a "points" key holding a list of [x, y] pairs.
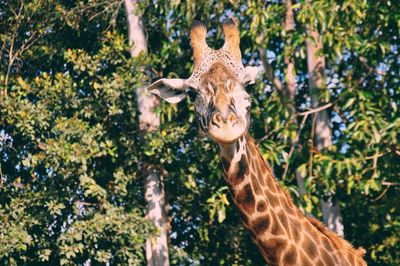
{"points": [[269, 72], [381, 195], [316, 110], [292, 146], [385, 183]]}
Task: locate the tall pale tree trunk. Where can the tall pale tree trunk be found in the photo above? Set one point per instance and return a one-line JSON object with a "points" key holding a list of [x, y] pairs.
{"points": [[156, 247], [286, 91], [290, 79], [322, 133]]}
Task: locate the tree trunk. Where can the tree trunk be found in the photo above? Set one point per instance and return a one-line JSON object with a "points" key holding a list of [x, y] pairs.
{"points": [[290, 88], [289, 71], [136, 31], [322, 133], [156, 246]]}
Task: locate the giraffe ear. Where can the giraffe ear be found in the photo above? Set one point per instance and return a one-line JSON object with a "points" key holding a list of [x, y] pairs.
{"points": [[171, 90], [252, 73]]}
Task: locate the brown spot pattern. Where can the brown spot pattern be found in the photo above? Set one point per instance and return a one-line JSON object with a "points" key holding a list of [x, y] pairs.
{"points": [[327, 258], [295, 228], [270, 183], [245, 199], [276, 228], [244, 217], [225, 164], [240, 172], [274, 248], [290, 257], [326, 244], [261, 206], [258, 172], [256, 185], [283, 219], [261, 224], [310, 248], [305, 261], [273, 199]]}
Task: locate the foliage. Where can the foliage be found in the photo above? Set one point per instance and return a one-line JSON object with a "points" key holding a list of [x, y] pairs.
{"points": [[69, 183], [71, 188]]}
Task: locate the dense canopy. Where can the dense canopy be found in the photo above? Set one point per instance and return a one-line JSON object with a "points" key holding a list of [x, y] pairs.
{"points": [[72, 154]]}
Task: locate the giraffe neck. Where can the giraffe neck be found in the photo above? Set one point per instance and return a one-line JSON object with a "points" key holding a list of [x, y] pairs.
{"points": [[280, 230]]}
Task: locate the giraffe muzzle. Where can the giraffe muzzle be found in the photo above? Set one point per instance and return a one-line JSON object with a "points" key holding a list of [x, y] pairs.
{"points": [[219, 119], [226, 128]]}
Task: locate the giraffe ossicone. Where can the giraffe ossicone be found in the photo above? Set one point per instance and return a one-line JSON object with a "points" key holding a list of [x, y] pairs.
{"points": [[283, 234]]}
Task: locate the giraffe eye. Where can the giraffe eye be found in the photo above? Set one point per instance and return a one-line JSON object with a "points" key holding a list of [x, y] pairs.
{"points": [[249, 106], [192, 95]]}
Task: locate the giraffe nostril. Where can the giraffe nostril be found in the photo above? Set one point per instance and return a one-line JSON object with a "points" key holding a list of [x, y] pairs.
{"points": [[216, 119], [232, 118]]}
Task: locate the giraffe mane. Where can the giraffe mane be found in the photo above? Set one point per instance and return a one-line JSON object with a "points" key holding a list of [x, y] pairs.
{"points": [[339, 242]]}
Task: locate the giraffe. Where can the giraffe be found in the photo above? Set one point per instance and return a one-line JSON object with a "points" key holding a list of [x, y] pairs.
{"points": [[283, 234]]}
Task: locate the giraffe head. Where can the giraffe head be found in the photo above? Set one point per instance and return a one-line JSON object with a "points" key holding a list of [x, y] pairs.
{"points": [[218, 82]]}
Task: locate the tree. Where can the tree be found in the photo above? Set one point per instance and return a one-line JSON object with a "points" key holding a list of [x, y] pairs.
{"points": [[70, 160], [156, 246], [70, 140], [321, 122]]}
